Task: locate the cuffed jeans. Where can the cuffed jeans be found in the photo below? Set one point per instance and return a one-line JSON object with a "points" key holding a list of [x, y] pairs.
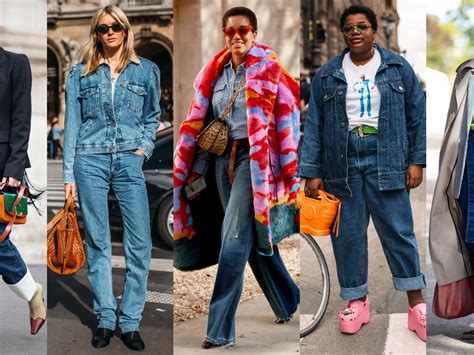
{"points": [[238, 247], [12, 266], [466, 197], [94, 175], [392, 218]]}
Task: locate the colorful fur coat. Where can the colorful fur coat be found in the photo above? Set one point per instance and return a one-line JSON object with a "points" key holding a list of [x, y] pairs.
{"points": [[272, 97]]}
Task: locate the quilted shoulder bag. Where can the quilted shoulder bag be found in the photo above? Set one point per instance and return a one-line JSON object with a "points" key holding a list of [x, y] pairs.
{"points": [[65, 248], [13, 208], [214, 136]]}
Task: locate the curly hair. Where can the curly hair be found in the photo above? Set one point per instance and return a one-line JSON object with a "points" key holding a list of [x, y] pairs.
{"points": [[359, 9]]}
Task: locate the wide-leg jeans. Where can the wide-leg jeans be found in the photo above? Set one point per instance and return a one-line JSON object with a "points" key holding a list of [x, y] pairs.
{"points": [[238, 247]]}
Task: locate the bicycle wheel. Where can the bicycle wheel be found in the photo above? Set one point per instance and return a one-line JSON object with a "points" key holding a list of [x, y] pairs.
{"points": [[314, 284]]}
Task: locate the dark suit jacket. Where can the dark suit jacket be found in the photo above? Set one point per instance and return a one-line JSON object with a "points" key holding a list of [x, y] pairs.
{"points": [[15, 113]]}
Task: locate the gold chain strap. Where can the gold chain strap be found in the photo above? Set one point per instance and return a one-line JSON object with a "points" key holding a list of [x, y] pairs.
{"points": [[231, 101]]}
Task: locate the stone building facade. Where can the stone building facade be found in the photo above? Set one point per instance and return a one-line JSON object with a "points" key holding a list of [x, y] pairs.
{"points": [[68, 28], [322, 39], [198, 35]]}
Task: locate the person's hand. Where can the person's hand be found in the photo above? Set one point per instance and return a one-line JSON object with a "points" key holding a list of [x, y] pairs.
{"points": [[312, 186], [138, 152], [10, 181], [70, 188], [414, 176], [189, 181]]}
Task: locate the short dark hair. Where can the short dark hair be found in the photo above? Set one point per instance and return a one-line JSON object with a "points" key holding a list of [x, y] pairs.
{"points": [[360, 9], [240, 11]]}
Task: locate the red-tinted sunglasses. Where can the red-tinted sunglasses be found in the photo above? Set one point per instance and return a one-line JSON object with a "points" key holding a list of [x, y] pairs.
{"points": [[242, 31]]}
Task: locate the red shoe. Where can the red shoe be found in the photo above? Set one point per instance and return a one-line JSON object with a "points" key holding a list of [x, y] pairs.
{"points": [[354, 316], [417, 320], [37, 310]]}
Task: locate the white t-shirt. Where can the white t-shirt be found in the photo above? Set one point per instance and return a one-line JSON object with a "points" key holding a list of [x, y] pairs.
{"points": [[363, 96]]}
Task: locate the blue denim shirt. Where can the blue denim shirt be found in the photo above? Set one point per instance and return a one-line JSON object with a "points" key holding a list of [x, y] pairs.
{"points": [[95, 125], [237, 117], [401, 138]]}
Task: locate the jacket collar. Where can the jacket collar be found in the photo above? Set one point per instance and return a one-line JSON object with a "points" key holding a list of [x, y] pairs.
{"points": [[468, 64], [334, 67]]}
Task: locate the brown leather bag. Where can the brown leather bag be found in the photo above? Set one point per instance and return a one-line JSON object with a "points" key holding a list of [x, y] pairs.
{"points": [[213, 138], [65, 248]]}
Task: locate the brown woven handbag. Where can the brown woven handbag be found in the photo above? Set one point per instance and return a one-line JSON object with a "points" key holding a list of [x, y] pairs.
{"points": [[213, 138], [65, 248]]}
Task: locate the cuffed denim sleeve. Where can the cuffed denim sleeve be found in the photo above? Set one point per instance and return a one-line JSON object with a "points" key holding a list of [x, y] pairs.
{"points": [[72, 123], [201, 161], [20, 118], [415, 112], [151, 112], [310, 162]]}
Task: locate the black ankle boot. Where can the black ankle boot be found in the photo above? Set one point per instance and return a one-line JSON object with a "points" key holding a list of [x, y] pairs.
{"points": [[133, 340], [102, 337]]}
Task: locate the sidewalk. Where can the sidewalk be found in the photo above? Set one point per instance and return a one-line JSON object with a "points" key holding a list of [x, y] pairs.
{"points": [[256, 333], [15, 322]]}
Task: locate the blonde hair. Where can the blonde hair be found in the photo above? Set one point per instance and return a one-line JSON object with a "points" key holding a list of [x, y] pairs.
{"points": [[91, 51]]}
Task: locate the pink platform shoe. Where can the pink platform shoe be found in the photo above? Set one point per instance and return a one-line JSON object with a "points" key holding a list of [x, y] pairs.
{"points": [[417, 320], [354, 316]]}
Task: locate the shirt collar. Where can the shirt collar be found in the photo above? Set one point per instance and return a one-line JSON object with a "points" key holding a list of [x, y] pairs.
{"points": [[102, 61], [229, 64]]}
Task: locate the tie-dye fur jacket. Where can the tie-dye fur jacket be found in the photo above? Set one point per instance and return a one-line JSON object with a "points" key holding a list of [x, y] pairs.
{"points": [[272, 97]]}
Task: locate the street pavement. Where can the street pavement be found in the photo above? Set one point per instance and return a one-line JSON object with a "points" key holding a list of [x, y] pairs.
{"points": [[387, 330], [15, 337], [256, 333], [71, 318]]}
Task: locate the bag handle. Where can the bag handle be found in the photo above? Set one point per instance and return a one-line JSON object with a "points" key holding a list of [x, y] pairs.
{"points": [[7, 230], [231, 101], [69, 204]]}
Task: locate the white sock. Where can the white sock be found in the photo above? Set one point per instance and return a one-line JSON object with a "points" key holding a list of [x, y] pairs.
{"points": [[25, 288]]}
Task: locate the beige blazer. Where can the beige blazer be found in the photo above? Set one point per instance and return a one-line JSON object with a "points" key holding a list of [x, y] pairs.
{"points": [[449, 255]]}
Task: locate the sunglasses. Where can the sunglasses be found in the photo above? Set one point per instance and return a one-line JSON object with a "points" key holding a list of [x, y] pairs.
{"points": [[116, 27], [242, 31], [350, 29]]}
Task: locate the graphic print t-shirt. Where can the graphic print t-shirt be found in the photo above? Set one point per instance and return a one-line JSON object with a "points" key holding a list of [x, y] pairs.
{"points": [[363, 96]]}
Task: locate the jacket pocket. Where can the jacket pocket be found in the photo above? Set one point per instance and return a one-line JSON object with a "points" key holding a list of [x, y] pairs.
{"points": [[397, 91], [135, 97], [89, 101]]}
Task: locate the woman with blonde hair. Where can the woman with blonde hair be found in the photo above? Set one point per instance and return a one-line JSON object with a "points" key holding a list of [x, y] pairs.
{"points": [[112, 107]]}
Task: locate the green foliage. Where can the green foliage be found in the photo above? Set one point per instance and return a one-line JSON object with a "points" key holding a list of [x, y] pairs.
{"points": [[451, 42]]}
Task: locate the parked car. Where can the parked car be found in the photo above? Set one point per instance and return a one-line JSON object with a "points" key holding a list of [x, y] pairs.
{"points": [[158, 172]]}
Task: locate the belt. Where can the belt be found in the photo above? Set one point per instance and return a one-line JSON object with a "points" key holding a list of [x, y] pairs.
{"points": [[234, 144], [363, 130]]}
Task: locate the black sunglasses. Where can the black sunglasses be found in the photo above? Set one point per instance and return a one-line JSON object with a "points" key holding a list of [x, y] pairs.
{"points": [[349, 29], [116, 27]]}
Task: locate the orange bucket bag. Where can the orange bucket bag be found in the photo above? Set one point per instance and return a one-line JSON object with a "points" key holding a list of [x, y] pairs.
{"points": [[319, 213]]}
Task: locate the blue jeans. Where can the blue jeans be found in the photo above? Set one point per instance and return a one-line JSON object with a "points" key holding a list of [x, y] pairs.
{"points": [[12, 266], [94, 175], [466, 197], [238, 247], [392, 218]]}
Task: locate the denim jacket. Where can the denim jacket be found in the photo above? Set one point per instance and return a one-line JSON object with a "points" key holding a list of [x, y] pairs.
{"points": [[401, 128], [95, 125]]}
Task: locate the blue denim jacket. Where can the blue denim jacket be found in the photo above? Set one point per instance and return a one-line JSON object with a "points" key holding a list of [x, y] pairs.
{"points": [[95, 125], [401, 138]]}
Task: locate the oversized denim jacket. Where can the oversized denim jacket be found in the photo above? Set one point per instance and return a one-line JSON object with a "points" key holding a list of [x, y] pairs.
{"points": [[95, 125], [401, 138]]}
